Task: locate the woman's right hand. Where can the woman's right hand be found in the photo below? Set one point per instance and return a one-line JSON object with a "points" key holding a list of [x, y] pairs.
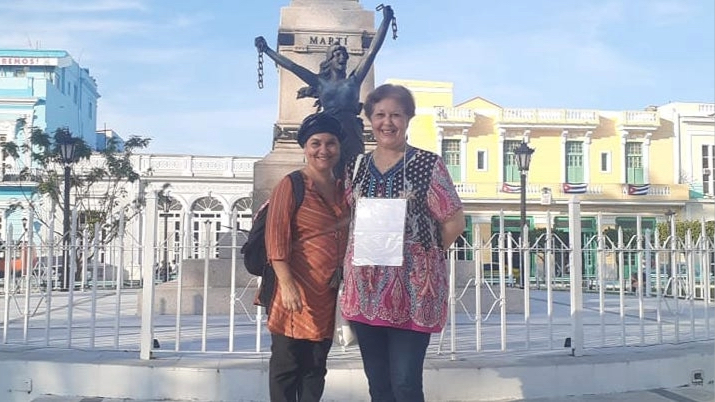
{"points": [[291, 297], [261, 44]]}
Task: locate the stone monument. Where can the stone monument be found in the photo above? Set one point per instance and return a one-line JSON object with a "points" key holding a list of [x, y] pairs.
{"points": [[338, 34], [309, 31]]}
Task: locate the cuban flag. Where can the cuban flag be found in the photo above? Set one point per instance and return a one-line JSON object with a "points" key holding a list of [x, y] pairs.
{"points": [[638, 189], [574, 188], [510, 188]]}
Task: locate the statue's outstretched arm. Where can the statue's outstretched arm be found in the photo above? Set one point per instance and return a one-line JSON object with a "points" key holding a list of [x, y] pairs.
{"points": [[301, 72], [364, 66]]}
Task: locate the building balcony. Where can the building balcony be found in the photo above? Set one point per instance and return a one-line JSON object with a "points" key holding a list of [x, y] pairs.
{"points": [[639, 118], [548, 117], [563, 192], [196, 166]]}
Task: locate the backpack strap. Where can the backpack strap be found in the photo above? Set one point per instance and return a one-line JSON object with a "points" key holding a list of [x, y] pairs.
{"points": [[266, 291], [296, 179], [358, 162]]}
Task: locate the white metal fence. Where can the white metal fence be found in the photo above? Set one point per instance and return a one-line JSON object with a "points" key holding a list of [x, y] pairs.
{"points": [[206, 305]]}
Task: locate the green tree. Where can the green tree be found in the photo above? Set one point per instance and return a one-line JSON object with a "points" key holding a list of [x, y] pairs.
{"points": [[104, 182], [682, 227]]}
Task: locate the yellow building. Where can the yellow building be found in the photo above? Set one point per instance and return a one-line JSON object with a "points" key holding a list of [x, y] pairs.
{"points": [[620, 164]]}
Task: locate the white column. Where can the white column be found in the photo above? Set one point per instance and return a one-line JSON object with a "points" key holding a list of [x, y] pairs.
{"points": [[148, 259], [690, 170], [188, 234], [711, 169], [576, 277], [587, 157], [624, 174], [500, 155], [564, 137], [463, 155], [646, 158], [677, 158]]}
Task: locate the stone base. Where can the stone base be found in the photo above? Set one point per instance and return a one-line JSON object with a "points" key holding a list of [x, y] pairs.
{"points": [[514, 299], [219, 294], [192, 300], [192, 290], [283, 159]]}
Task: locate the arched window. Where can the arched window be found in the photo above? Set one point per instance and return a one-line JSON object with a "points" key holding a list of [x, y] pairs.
{"points": [[206, 211], [244, 212]]}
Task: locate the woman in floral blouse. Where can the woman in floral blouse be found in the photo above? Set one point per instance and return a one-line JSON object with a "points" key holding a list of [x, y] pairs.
{"points": [[395, 309]]}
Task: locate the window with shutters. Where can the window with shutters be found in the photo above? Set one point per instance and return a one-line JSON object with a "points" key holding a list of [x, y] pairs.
{"points": [[511, 167], [451, 157], [574, 162], [634, 163]]}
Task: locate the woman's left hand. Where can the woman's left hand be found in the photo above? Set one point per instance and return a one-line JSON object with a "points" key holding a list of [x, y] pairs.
{"points": [[452, 228]]}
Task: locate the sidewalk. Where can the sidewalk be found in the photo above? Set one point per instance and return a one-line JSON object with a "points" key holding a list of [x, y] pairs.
{"points": [[32, 372], [682, 394]]}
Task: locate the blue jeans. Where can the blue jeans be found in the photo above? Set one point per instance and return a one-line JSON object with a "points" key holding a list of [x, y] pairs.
{"points": [[392, 359]]}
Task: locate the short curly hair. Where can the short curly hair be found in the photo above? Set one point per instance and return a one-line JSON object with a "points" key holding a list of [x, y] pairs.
{"points": [[397, 92]]}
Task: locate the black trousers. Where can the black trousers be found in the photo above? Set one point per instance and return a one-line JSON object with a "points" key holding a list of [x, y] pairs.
{"points": [[297, 369]]}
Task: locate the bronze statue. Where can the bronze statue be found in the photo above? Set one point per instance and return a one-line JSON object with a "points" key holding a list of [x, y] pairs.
{"points": [[337, 93]]}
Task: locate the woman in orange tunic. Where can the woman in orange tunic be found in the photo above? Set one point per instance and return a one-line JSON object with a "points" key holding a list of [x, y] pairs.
{"points": [[305, 251]]}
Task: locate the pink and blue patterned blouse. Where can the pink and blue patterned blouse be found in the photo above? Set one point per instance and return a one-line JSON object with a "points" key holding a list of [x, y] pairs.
{"points": [[412, 296]]}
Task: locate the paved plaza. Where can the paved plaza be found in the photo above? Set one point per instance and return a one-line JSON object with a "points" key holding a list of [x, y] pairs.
{"points": [[682, 394], [33, 372]]}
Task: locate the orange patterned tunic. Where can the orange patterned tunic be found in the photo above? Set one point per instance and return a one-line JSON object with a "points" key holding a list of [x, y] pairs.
{"points": [[313, 244]]}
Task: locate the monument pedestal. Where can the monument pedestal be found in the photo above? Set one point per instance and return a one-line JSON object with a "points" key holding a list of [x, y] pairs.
{"points": [[284, 158], [192, 289]]}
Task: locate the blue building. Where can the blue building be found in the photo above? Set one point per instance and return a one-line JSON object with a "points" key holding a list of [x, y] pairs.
{"points": [[50, 90], [45, 89]]}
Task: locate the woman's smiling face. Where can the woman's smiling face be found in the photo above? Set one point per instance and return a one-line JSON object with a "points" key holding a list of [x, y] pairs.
{"points": [[389, 124], [322, 151]]}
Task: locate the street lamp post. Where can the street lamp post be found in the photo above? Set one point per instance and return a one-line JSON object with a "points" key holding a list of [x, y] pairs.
{"points": [[523, 160], [67, 154]]}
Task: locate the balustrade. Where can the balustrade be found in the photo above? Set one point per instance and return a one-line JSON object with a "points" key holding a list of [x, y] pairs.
{"points": [[551, 116], [639, 118], [562, 191]]}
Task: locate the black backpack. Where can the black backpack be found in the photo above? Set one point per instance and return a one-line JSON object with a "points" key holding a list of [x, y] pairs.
{"points": [[254, 253]]}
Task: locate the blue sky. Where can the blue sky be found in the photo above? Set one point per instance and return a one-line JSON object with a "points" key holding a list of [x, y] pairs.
{"points": [[184, 72]]}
